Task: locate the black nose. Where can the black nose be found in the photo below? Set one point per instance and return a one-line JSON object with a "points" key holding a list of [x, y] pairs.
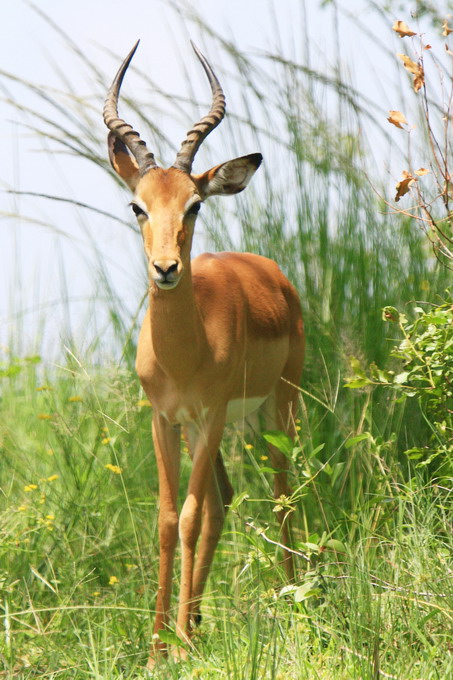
{"points": [[167, 271]]}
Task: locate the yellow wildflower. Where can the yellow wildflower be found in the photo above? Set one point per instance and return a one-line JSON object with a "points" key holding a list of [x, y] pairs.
{"points": [[114, 468], [30, 487], [22, 508], [106, 440], [44, 416], [249, 447], [143, 402], [264, 457], [113, 581], [75, 398], [52, 478], [96, 593], [44, 388]]}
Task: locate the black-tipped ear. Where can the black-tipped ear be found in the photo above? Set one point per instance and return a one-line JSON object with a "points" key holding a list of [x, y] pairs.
{"points": [[122, 162], [228, 178]]}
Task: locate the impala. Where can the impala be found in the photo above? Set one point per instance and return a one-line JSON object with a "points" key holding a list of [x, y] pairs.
{"points": [[223, 336]]}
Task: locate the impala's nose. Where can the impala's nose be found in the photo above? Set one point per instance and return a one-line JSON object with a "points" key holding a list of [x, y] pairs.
{"points": [[166, 273]]}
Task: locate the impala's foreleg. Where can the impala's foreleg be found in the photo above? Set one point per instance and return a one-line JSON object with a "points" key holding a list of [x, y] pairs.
{"points": [[219, 494], [166, 444], [204, 458]]}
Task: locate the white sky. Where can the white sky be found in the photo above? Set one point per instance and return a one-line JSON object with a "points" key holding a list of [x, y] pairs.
{"points": [[31, 255]]}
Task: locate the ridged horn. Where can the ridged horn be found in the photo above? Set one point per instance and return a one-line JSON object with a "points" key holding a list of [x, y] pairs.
{"points": [[122, 130], [198, 133]]}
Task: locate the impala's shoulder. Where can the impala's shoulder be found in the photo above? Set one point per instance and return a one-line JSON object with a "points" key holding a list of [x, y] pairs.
{"points": [[234, 263]]}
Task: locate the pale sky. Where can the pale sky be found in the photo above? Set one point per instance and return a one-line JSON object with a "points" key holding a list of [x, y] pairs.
{"points": [[32, 255]]}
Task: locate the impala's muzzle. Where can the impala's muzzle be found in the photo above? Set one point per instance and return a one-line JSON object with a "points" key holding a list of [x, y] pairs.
{"points": [[166, 273]]}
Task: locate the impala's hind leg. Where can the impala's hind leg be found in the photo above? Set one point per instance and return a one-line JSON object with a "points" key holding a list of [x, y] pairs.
{"points": [[280, 413]]}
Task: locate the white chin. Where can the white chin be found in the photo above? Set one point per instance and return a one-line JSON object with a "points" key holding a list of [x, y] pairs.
{"points": [[166, 285]]}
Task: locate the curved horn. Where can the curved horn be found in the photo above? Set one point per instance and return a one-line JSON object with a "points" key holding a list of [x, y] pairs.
{"points": [[122, 130], [201, 130]]}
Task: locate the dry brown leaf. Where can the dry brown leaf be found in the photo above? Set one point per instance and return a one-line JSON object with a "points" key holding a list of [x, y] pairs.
{"points": [[403, 29], [411, 66], [415, 69], [397, 118], [404, 185], [446, 29], [422, 171]]}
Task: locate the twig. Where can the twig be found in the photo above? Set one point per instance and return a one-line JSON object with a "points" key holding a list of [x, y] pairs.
{"points": [[261, 533]]}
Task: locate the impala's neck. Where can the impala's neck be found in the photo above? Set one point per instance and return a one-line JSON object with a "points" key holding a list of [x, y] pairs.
{"points": [[176, 329]]}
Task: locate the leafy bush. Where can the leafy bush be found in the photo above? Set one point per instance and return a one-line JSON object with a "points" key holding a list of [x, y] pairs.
{"points": [[426, 361]]}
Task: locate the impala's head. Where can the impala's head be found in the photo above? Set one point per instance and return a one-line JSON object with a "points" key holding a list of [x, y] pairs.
{"points": [[166, 202]]}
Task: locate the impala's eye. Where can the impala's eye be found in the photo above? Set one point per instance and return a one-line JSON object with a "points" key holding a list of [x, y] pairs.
{"points": [[194, 209], [138, 211]]}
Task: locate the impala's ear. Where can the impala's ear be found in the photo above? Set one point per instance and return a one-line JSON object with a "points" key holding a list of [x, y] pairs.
{"points": [[229, 178], [122, 162]]}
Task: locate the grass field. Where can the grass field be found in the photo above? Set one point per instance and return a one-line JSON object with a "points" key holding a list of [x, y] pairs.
{"points": [[79, 548], [374, 591]]}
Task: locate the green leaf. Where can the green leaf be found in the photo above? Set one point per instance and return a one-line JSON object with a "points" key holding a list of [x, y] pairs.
{"points": [[9, 372], [316, 464], [355, 440], [401, 378], [335, 544], [356, 367], [358, 382], [280, 440], [337, 470], [239, 500], [286, 590], [305, 591], [34, 359], [269, 470], [415, 453], [390, 314], [310, 547], [317, 450], [170, 637]]}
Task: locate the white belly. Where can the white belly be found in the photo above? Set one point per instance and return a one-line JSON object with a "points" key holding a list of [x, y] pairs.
{"points": [[237, 409]]}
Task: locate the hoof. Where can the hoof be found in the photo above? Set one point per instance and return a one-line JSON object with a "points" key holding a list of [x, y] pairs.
{"points": [[196, 619], [179, 654]]}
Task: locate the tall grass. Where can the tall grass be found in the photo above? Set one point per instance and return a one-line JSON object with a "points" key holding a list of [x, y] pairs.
{"points": [[78, 556], [79, 549]]}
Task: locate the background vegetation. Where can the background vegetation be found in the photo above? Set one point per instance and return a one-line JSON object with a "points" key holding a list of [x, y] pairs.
{"points": [[371, 469]]}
